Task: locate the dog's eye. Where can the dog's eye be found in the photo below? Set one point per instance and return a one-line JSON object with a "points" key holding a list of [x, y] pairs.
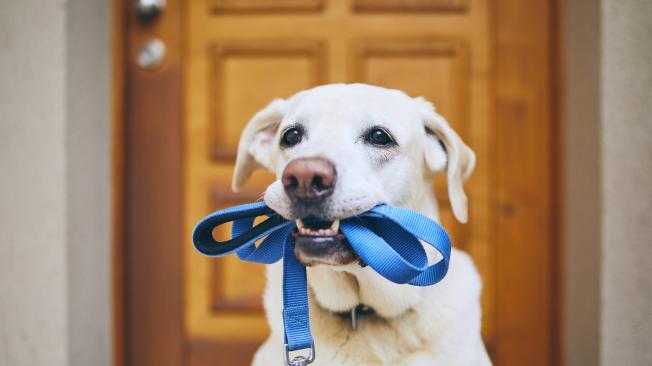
{"points": [[379, 137], [291, 137]]}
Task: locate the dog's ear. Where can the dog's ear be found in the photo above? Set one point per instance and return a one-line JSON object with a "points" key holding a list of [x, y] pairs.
{"points": [[257, 142], [444, 149]]}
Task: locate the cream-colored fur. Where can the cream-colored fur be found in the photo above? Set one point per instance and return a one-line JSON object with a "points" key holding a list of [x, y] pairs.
{"points": [[435, 325]]}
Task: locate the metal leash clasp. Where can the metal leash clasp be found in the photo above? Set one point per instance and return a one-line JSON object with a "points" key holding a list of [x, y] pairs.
{"points": [[300, 360]]}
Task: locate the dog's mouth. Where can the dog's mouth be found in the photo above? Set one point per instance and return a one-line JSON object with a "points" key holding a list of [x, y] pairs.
{"points": [[318, 241], [313, 226]]}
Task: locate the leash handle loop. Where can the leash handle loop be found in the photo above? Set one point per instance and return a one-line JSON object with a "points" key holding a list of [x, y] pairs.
{"points": [[241, 216], [387, 239], [429, 231]]}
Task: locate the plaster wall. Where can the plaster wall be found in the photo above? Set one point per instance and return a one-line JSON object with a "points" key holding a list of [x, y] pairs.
{"points": [[33, 203], [626, 124]]}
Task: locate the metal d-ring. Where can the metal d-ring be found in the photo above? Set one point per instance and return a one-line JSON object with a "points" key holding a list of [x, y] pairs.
{"points": [[354, 318], [300, 360]]}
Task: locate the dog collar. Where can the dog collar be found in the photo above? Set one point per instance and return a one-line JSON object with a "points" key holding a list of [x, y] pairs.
{"points": [[386, 238], [354, 314]]}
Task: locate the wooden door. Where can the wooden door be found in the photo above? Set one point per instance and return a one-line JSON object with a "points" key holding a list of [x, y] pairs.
{"points": [[485, 65]]}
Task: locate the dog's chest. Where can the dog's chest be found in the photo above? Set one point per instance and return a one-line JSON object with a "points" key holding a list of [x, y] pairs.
{"points": [[374, 340]]}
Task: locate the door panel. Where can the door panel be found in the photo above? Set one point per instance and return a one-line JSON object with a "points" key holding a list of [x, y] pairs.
{"points": [[250, 6], [409, 5], [229, 58], [246, 75]]}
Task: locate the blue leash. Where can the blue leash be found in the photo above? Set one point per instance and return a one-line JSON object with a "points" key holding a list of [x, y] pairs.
{"points": [[385, 237]]}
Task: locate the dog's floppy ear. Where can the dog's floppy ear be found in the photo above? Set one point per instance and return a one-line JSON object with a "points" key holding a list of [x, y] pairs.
{"points": [[445, 149], [257, 142]]}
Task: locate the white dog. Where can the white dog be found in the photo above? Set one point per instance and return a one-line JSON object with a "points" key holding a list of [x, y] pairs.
{"points": [[337, 151]]}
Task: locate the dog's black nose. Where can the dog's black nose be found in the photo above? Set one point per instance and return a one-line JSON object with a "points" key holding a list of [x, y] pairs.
{"points": [[309, 179]]}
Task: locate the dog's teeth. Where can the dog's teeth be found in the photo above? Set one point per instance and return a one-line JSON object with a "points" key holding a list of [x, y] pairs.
{"points": [[335, 226], [305, 230]]}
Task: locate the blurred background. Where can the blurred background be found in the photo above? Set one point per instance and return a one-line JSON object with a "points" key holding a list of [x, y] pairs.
{"points": [[119, 122]]}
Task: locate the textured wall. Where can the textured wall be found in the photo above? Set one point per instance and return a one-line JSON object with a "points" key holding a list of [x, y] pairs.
{"points": [[626, 325], [54, 185], [33, 207]]}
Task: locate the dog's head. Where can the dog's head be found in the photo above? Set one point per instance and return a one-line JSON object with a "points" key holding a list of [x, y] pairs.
{"points": [[338, 150]]}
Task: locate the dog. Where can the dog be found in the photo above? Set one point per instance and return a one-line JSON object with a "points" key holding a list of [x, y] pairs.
{"points": [[338, 150]]}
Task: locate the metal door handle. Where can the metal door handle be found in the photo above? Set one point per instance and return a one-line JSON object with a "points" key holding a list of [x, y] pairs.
{"points": [[151, 54], [149, 10]]}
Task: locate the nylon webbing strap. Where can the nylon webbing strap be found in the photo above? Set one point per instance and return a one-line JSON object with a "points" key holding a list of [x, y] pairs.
{"points": [[387, 238]]}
